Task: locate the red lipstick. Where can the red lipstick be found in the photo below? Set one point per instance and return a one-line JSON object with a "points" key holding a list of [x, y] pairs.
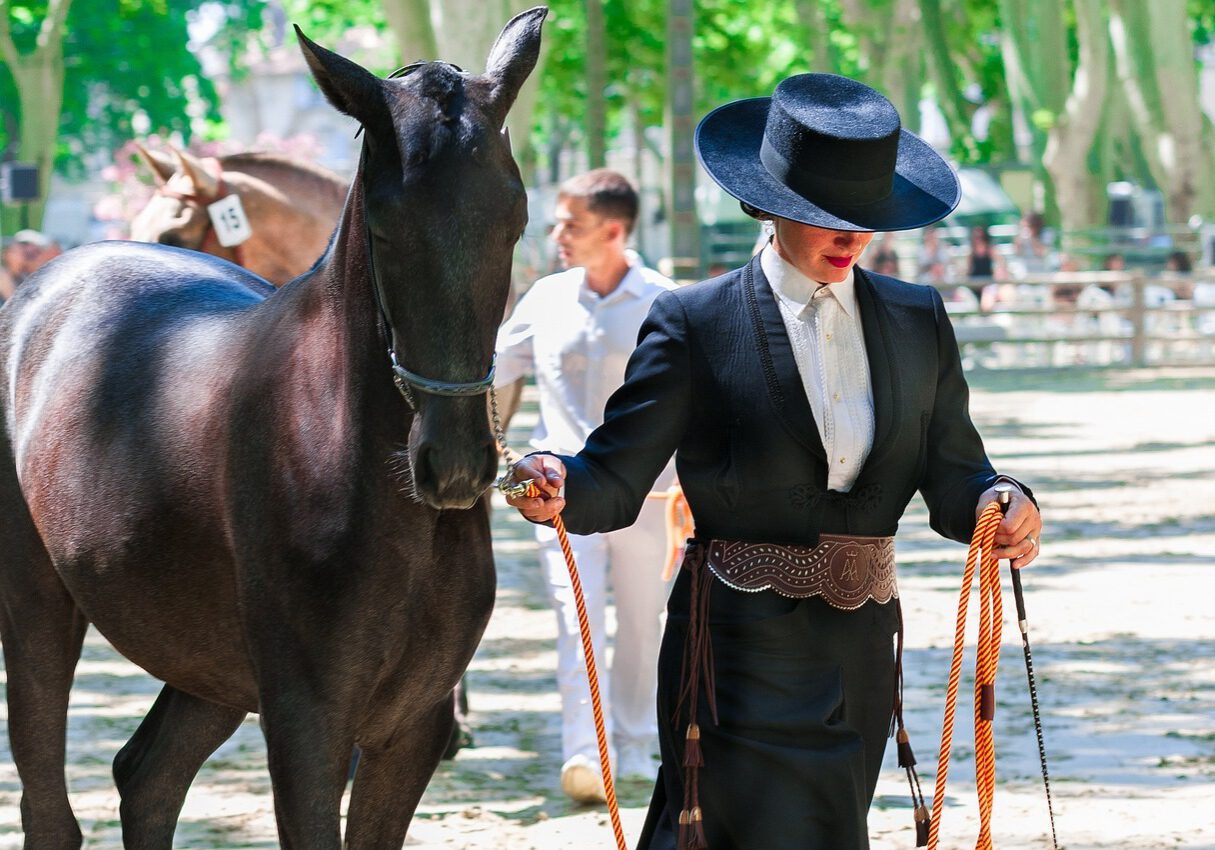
{"points": [[840, 262]]}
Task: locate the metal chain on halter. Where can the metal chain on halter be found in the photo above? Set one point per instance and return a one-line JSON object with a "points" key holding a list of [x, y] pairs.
{"points": [[504, 485]]}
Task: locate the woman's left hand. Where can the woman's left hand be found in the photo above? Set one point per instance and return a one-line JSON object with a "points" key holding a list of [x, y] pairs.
{"points": [[1019, 536]]}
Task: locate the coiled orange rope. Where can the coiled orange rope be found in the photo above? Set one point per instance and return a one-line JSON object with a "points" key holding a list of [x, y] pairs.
{"points": [[991, 615], [679, 526], [588, 652]]}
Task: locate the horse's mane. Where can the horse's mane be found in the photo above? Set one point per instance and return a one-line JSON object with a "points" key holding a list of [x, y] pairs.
{"points": [[261, 162]]}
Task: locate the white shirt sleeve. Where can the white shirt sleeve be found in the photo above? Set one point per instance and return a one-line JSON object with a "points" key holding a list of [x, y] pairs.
{"points": [[514, 346]]}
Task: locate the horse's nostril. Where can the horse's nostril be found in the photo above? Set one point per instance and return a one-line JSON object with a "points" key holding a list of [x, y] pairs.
{"points": [[491, 460], [423, 470]]}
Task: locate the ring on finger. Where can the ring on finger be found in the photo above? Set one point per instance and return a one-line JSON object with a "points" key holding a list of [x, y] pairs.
{"points": [[1032, 542]]}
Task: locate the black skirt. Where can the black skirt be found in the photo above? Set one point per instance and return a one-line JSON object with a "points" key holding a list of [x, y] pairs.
{"points": [[805, 694]]}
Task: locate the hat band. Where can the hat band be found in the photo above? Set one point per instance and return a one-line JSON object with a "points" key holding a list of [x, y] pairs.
{"points": [[822, 190]]}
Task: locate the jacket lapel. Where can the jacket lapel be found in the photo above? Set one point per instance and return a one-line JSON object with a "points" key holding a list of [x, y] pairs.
{"points": [[785, 386], [876, 324]]}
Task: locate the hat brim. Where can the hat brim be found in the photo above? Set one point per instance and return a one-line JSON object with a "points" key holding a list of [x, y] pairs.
{"points": [[728, 141]]}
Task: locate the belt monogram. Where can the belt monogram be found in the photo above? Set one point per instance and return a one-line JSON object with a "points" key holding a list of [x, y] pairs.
{"points": [[846, 571]]}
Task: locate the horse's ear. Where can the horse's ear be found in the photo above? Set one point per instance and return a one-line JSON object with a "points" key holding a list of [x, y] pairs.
{"points": [[348, 86], [205, 184], [513, 56], [162, 165]]}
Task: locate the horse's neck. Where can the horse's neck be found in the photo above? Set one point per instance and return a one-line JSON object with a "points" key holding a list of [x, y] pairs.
{"points": [[335, 302]]}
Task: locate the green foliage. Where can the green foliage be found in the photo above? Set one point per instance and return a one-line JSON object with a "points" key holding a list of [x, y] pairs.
{"points": [[1202, 14], [326, 21], [122, 57], [741, 49]]}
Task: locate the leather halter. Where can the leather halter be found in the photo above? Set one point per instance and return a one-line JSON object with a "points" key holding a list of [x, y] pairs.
{"points": [[201, 203], [405, 380]]}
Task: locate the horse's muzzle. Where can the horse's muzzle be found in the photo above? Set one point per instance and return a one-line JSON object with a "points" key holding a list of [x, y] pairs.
{"points": [[445, 480]]}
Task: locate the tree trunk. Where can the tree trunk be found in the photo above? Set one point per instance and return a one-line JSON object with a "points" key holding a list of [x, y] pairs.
{"points": [[1157, 70], [681, 163], [596, 82], [410, 22], [1081, 201], [814, 20], [39, 79], [1038, 74], [942, 66], [900, 73]]}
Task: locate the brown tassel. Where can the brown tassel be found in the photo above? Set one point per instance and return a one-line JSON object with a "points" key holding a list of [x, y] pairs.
{"points": [[906, 756], [692, 756], [685, 833], [699, 840], [921, 826]]}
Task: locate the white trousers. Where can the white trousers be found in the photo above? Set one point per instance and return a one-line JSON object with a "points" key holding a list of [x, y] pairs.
{"points": [[633, 559]]}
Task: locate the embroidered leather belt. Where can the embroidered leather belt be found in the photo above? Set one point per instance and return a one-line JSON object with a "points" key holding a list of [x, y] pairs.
{"points": [[846, 571]]}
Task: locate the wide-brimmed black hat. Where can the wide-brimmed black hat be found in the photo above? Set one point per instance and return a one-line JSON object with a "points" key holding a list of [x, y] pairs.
{"points": [[827, 151]]}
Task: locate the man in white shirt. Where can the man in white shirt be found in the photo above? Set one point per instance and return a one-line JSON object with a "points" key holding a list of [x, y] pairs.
{"points": [[575, 331]]}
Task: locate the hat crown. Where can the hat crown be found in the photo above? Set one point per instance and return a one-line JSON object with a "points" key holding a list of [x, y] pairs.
{"points": [[836, 107], [832, 139]]}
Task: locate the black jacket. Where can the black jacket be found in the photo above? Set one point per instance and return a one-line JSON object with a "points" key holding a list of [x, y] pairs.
{"points": [[713, 380]]}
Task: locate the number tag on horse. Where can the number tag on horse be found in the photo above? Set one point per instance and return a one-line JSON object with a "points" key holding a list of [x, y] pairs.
{"points": [[231, 224]]}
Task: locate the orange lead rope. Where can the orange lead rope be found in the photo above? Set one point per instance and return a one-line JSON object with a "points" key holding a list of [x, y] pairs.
{"points": [[588, 652], [991, 617]]}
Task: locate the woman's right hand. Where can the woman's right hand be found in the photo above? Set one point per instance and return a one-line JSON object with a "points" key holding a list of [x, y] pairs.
{"points": [[548, 474]]}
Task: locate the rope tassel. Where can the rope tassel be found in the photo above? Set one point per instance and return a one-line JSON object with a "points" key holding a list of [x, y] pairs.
{"points": [[692, 756]]}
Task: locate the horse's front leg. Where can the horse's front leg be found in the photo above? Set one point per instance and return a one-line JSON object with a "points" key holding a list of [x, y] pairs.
{"points": [[309, 739], [154, 769], [391, 778]]}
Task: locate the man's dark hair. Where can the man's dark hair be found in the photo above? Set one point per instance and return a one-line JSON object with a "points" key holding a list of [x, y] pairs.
{"points": [[607, 193]]}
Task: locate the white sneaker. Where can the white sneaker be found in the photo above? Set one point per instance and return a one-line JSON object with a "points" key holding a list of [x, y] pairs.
{"points": [[581, 780], [636, 762]]}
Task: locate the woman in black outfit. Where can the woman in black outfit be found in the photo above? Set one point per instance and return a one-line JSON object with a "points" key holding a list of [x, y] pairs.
{"points": [[806, 401]]}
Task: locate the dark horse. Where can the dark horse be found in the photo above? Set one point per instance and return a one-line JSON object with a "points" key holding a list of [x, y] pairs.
{"points": [[212, 473]]}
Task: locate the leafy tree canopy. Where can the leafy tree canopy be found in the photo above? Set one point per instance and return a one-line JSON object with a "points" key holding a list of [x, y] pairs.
{"points": [[122, 58]]}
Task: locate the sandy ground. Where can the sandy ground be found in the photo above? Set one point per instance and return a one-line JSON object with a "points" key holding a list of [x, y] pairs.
{"points": [[1120, 619]]}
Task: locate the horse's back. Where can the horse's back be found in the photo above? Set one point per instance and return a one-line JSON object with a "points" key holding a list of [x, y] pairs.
{"points": [[108, 276], [118, 304]]}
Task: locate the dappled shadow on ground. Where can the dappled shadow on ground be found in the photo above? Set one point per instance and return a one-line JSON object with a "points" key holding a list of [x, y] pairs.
{"points": [[1123, 710], [1079, 379]]}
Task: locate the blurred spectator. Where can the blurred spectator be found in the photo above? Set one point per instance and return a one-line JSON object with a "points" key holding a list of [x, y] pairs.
{"points": [[884, 259], [960, 299], [1065, 294], [1031, 252], [25, 253], [932, 263], [1179, 261], [7, 285], [1204, 296], [1114, 262], [984, 262]]}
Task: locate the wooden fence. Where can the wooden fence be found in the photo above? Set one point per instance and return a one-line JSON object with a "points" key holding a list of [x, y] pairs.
{"points": [[1065, 319]]}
